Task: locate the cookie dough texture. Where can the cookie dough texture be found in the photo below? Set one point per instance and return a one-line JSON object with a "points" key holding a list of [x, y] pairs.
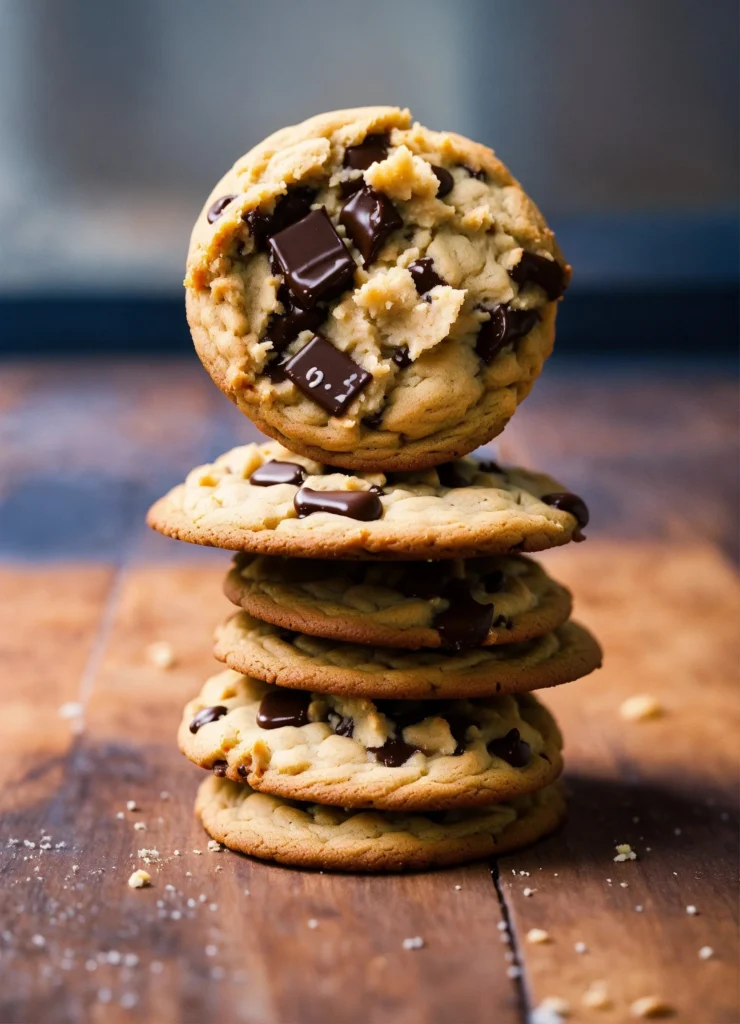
{"points": [[314, 762], [328, 666], [368, 603], [421, 518], [310, 835], [447, 400]]}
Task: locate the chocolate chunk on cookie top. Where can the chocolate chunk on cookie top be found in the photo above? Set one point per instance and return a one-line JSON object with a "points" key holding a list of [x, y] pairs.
{"points": [[412, 253], [327, 375]]}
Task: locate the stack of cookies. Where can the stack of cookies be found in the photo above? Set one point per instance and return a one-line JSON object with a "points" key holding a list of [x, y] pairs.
{"points": [[378, 298]]}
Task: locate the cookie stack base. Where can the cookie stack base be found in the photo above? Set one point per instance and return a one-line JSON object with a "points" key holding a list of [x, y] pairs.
{"points": [[313, 836]]}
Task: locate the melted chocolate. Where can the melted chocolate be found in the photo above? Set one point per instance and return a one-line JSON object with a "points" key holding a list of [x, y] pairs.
{"points": [[568, 502], [326, 375], [458, 727], [341, 726], [313, 259], [393, 753], [445, 179], [208, 715], [512, 749], [278, 473], [292, 207], [373, 421], [480, 175], [219, 768], [533, 269], [489, 466], [217, 208], [494, 582], [372, 149], [424, 275], [424, 580], [282, 329], [466, 623], [401, 357], [504, 326], [450, 476], [362, 505], [370, 218], [279, 708], [275, 369]]}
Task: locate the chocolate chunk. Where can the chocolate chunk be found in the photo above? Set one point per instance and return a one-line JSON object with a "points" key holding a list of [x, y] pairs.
{"points": [[281, 330], [376, 490], [370, 218], [568, 502], [342, 726], [219, 768], [489, 466], [533, 269], [458, 727], [393, 753], [278, 473], [494, 582], [217, 208], [330, 377], [275, 369], [407, 712], [313, 259], [292, 207], [423, 579], [450, 476], [503, 622], [283, 707], [472, 173], [466, 622], [512, 749], [362, 505], [208, 715], [372, 149], [401, 357], [424, 275], [350, 186], [505, 325], [373, 421], [445, 179], [287, 636], [242, 771]]}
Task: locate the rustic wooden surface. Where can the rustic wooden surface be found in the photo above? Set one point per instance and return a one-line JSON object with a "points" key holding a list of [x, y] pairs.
{"points": [[84, 588]]}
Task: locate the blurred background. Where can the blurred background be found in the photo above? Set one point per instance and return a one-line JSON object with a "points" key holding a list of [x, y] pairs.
{"points": [[117, 118]]}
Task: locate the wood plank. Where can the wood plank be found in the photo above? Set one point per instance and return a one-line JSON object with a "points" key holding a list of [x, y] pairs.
{"points": [[667, 616]]}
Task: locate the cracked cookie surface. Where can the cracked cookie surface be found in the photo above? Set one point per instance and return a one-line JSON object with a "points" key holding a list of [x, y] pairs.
{"points": [[460, 509], [400, 605], [427, 275], [310, 835], [352, 752], [329, 666]]}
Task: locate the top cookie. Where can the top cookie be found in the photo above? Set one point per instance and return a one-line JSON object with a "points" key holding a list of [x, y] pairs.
{"points": [[373, 294]]}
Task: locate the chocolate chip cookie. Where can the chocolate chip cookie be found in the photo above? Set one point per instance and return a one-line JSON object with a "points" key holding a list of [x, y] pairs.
{"points": [[499, 600], [352, 752], [313, 836], [373, 294], [329, 666], [265, 500]]}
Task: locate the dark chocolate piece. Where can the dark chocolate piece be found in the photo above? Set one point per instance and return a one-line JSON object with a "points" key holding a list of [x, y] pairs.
{"points": [[330, 377], [505, 325], [393, 753], [219, 768], [466, 622], [362, 505], [281, 330], [208, 715], [401, 357], [342, 726], [242, 771], [424, 580], [450, 475], [283, 707], [374, 419], [494, 582], [407, 712], [446, 181], [472, 173], [424, 275], [489, 466], [372, 149], [313, 259], [512, 749], [458, 727], [568, 502], [292, 207], [275, 369], [217, 207], [278, 473], [370, 218], [350, 186], [534, 269]]}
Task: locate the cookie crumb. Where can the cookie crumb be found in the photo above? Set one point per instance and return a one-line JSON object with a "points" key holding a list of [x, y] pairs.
{"points": [[140, 826], [313, 923], [691, 910], [211, 950], [131, 805], [596, 996], [528, 891], [139, 879], [161, 654], [537, 936], [580, 947], [551, 1010], [164, 795], [640, 708], [214, 847], [650, 1006], [458, 888], [706, 953], [39, 941], [415, 943], [639, 908], [624, 852]]}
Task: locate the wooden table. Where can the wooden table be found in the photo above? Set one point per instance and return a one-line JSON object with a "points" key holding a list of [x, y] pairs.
{"points": [[85, 587]]}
